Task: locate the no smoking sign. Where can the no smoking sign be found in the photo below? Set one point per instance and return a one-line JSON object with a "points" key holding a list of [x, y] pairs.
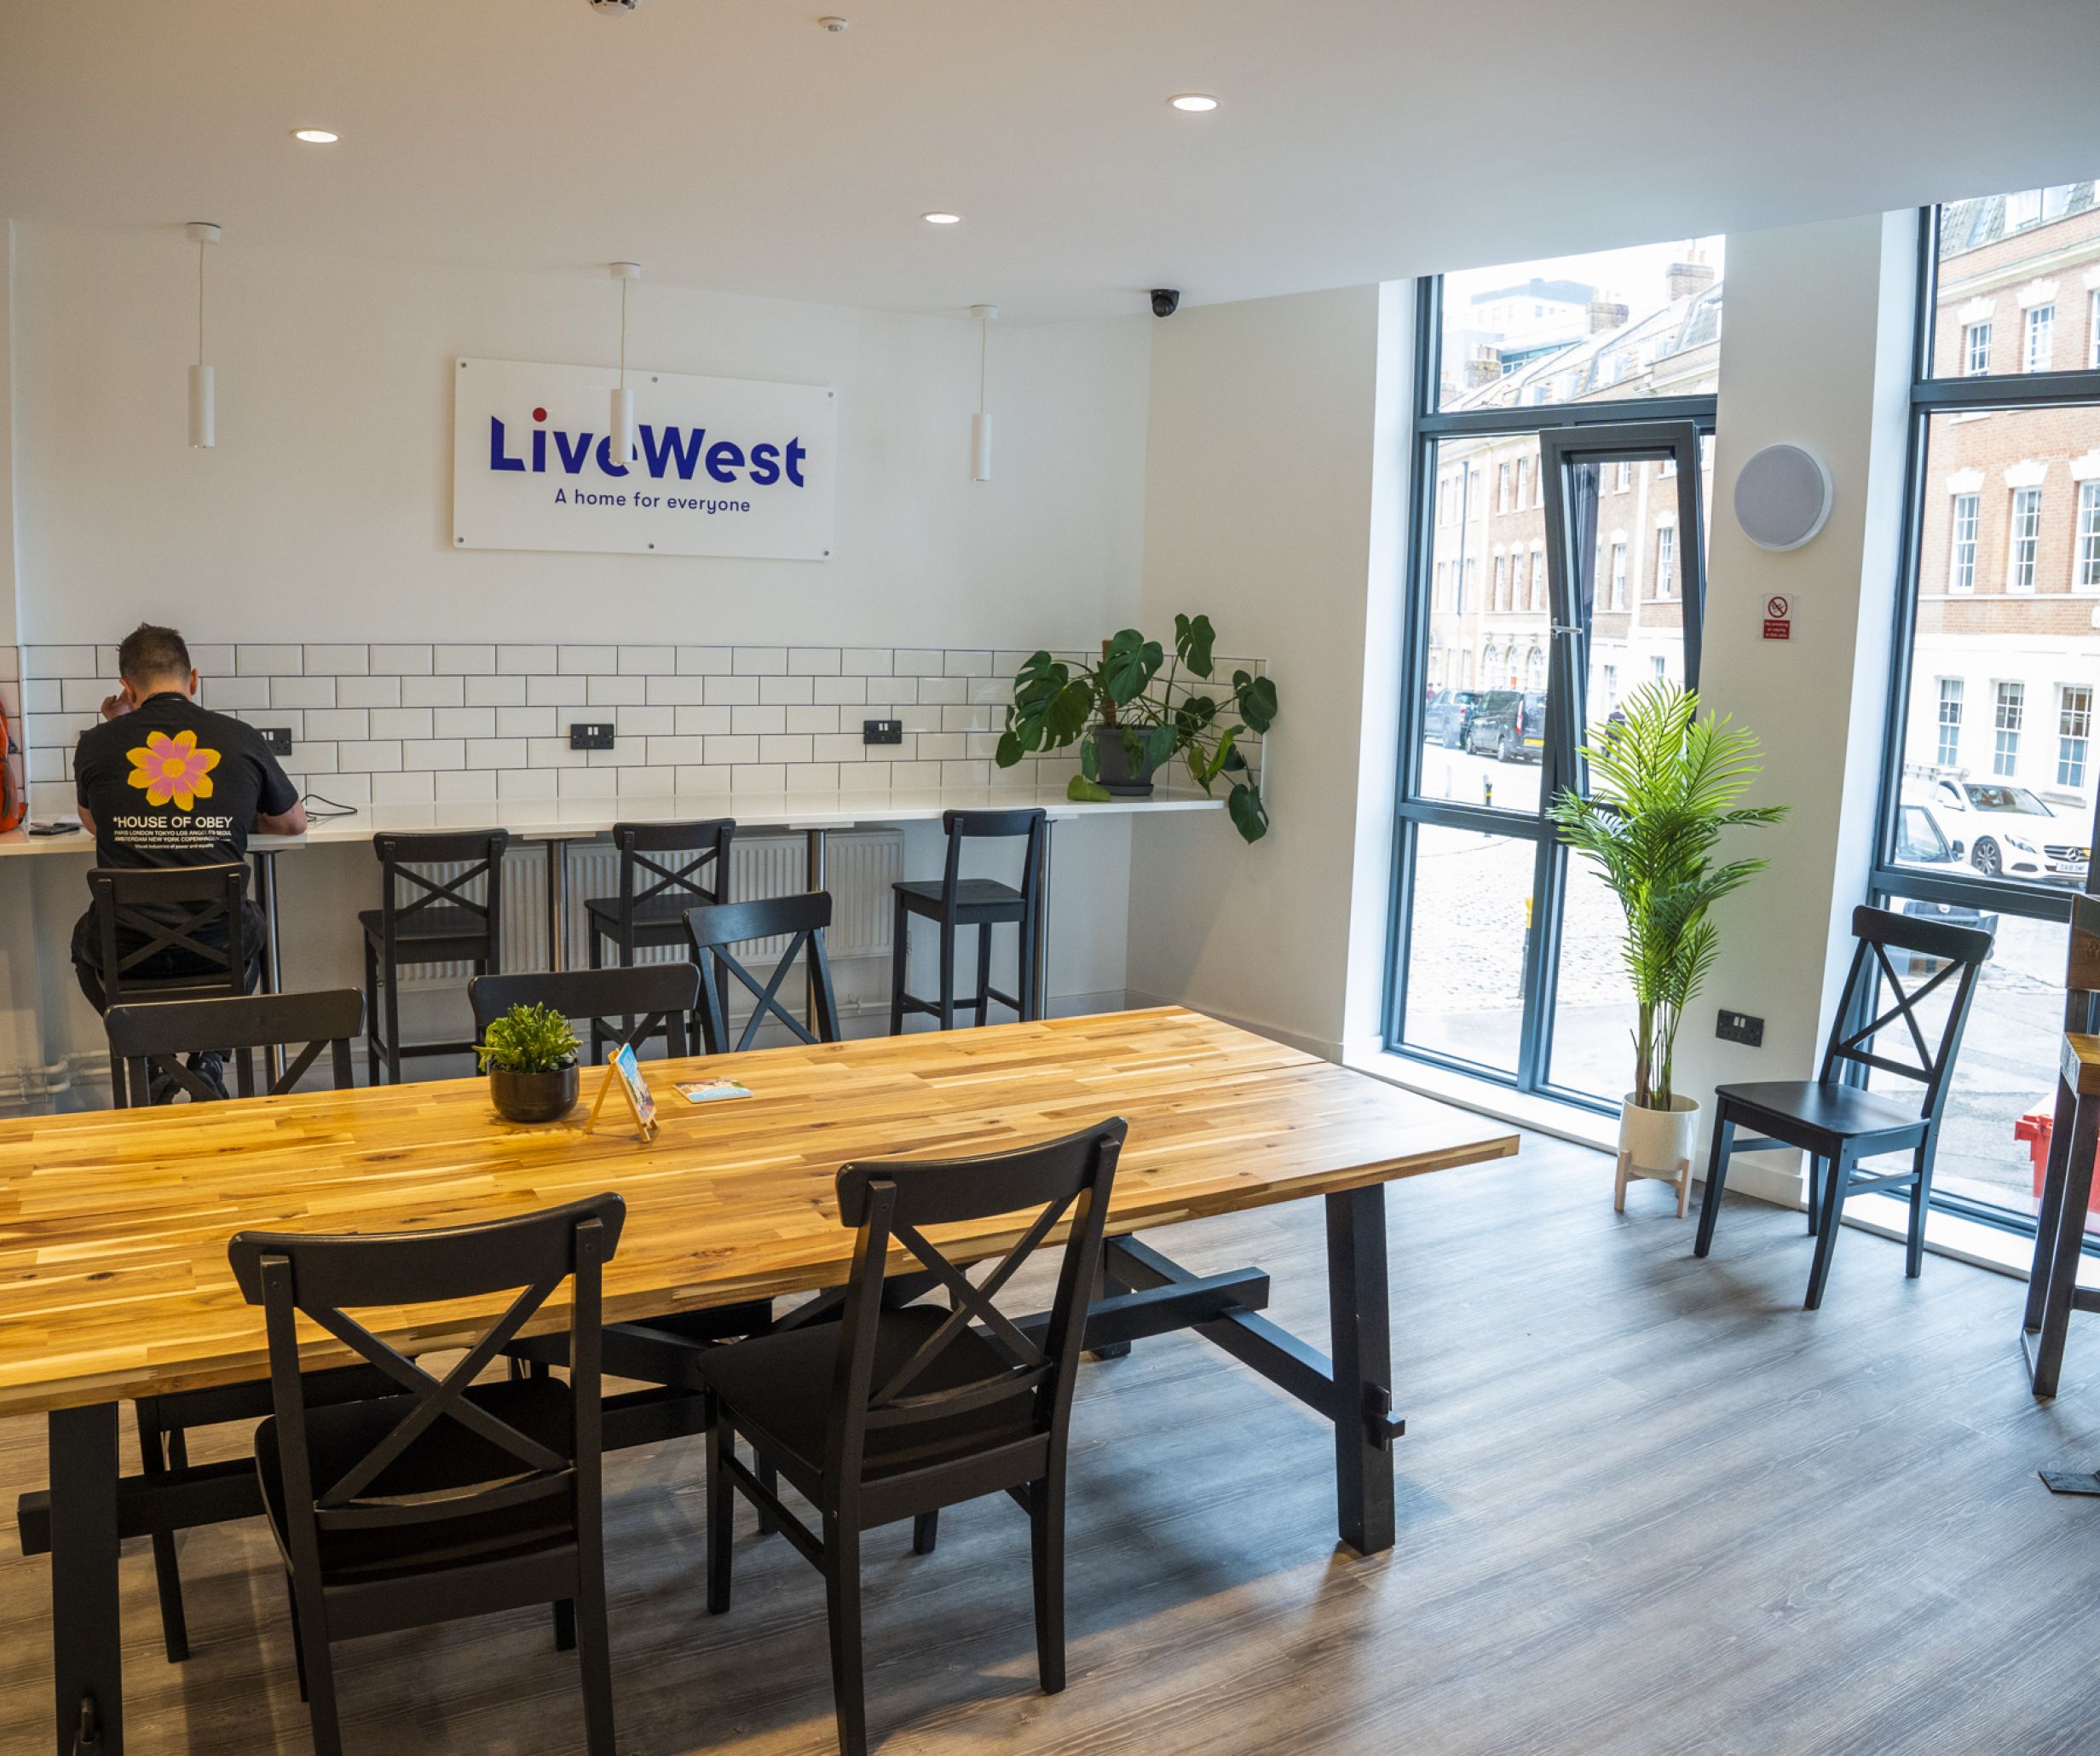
{"points": [[1779, 618]]}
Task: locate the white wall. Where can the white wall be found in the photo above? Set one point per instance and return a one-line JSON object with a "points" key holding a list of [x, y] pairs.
{"points": [[324, 512], [1275, 481], [1815, 352]]}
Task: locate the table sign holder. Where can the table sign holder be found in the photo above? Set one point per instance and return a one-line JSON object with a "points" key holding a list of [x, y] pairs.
{"points": [[625, 1073]]}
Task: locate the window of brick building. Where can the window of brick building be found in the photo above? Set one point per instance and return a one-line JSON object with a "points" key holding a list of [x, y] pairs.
{"points": [[2085, 547], [2012, 707], [1977, 350], [1963, 547], [1948, 753], [1665, 558], [1618, 575], [2073, 732], [2041, 336], [2024, 539]]}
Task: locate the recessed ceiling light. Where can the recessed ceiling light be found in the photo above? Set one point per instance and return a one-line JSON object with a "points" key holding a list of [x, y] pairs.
{"points": [[315, 136], [1194, 100], [941, 219]]}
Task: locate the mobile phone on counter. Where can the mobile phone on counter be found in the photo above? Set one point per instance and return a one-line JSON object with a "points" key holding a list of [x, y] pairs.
{"points": [[56, 826]]}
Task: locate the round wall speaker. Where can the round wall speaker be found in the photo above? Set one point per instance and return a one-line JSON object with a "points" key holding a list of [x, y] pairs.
{"points": [[1782, 497]]}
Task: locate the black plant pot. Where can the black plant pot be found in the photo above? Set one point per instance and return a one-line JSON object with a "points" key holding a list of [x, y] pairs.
{"points": [[1112, 766], [533, 1097]]}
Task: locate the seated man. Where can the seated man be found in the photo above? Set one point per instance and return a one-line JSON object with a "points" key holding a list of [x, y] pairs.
{"points": [[166, 783]]}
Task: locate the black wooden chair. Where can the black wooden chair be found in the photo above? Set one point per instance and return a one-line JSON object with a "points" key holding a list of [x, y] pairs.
{"points": [[892, 1413], [187, 928], [954, 902], [147, 1043], [652, 999], [424, 919], [802, 921], [150, 1041], [654, 893], [1837, 1123], [450, 1498]]}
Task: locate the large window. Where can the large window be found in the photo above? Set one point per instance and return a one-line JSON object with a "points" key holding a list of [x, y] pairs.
{"points": [[1993, 820], [1505, 958]]}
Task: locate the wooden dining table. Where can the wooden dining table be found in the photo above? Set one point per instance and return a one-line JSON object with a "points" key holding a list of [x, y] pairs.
{"points": [[114, 1283]]}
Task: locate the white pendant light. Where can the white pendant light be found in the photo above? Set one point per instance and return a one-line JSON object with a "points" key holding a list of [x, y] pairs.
{"points": [[203, 407], [981, 423], [620, 439]]}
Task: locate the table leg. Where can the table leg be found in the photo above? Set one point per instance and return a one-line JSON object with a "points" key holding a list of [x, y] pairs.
{"points": [[814, 842], [1040, 951], [2051, 1214], [2069, 1243], [86, 1643], [265, 860], [558, 904], [1363, 1367]]}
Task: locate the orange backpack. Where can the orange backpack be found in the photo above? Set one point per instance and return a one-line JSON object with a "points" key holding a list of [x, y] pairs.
{"points": [[13, 794]]}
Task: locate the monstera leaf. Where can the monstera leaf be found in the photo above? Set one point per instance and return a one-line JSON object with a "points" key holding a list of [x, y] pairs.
{"points": [[1250, 816], [1193, 637], [1050, 710], [1257, 699], [1129, 665]]}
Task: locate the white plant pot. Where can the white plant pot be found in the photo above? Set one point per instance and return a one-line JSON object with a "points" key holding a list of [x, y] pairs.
{"points": [[1657, 1141]]}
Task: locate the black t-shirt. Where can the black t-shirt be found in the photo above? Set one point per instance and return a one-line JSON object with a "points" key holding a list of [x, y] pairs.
{"points": [[171, 784]]}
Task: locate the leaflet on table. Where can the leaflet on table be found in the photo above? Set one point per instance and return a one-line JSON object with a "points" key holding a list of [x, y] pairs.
{"points": [[710, 1091]]}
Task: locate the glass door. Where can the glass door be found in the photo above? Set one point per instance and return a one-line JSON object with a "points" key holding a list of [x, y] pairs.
{"points": [[1565, 569], [1625, 563]]}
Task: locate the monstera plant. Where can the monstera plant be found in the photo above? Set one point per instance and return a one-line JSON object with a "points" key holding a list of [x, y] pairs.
{"points": [[1141, 720]]}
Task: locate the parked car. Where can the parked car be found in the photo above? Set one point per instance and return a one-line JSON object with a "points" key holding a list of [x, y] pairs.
{"points": [[2012, 833], [1919, 838], [1447, 716], [1509, 724]]}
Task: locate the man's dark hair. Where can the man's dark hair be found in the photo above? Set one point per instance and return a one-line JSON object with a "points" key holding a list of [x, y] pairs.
{"points": [[150, 654]]}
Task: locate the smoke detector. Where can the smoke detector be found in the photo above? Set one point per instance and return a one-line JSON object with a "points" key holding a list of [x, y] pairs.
{"points": [[833, 24], [614, 5]]}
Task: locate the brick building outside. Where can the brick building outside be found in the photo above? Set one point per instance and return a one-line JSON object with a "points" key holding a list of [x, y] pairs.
{"points": [[1490, 619], [2007, 657]]}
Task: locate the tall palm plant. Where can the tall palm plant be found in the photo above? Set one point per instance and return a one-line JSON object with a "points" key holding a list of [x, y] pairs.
{"points": [[1664, 787]]}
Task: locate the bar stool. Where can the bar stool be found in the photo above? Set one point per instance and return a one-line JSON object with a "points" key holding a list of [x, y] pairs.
{"points": [[655, 894], [955, 901], [173, 915], [424, 919]]}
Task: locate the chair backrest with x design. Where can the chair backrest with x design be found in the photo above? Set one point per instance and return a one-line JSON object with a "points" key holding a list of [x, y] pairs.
{"points": [[493, 1465], [660, 994], [801, 919], [418, 903], [144, 914], [913, 1403], [150, 1041], [701, 875], [1959, 952]]}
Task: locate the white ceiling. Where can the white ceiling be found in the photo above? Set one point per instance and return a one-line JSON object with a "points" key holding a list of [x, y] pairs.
{"points": [[731, 144]]}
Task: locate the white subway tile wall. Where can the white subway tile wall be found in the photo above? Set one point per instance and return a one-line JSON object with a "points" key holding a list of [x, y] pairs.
{"points": [[413, 723]]}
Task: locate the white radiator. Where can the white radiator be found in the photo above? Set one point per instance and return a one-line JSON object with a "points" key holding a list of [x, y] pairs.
{"points": [[860, 867]]}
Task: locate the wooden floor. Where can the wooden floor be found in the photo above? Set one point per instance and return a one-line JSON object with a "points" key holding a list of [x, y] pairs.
{"points": [[1646, 1505]]}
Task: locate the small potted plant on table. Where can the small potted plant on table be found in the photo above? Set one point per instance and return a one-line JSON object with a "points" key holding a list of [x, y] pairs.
{"points": [[1665, 785], [1127, 729], [530, 1054]]}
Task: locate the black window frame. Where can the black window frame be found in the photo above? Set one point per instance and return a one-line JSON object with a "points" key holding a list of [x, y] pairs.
{"points": [[1889, 883], [1433, 425]]}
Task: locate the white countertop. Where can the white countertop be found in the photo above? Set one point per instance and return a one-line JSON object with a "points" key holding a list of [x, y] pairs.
{"points": [[578, 819]]}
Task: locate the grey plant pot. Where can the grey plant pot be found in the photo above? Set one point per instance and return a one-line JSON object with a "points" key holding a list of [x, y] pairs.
{"points": [[533, 1097], [1112, 766]]}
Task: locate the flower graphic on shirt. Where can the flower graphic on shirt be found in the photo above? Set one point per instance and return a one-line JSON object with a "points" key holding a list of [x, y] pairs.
{"points": [[173, 768]]}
